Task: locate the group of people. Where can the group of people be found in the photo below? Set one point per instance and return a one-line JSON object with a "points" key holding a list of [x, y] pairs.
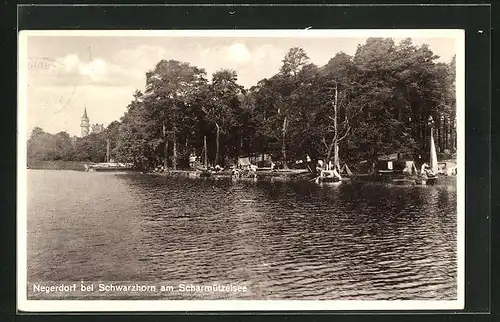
{"points": [[240, 171], [426, 171]]}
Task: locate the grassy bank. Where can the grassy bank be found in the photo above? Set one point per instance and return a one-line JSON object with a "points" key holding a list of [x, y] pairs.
{"points": [[57, 165]]}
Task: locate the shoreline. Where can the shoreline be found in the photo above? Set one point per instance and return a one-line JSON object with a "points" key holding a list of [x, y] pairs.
{"points": [[57, 165], [263, 174]]}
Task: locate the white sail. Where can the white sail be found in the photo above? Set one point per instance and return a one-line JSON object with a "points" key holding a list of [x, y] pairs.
{"points": [[434, 161]]}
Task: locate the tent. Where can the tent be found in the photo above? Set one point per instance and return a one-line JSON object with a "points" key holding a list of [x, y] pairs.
{"points": [[345, 170], [411, 168], [244, 162], [397, 166]]}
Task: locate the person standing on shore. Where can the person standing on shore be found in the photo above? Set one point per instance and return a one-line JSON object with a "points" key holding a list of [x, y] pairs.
{"points": [[192, 160]]}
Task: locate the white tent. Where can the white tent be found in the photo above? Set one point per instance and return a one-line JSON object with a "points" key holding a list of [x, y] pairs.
{"points": [[244, 162], [345, 170]]}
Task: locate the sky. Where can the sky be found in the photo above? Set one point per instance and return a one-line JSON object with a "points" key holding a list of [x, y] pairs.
{"points": [[65, 74]]}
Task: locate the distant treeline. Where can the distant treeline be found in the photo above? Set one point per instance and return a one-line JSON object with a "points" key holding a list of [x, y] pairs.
{"points": [[383, 100], [43, 146], [57, 165]]}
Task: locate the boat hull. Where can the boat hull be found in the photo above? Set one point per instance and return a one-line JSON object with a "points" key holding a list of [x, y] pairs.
{"points": [[109, 170], [107, 167], [328, 180]]}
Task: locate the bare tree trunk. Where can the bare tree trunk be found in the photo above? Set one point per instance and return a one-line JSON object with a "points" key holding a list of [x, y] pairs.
{"points": [[336, 158], [217, 144], [437, 137], [165, 162], [107, 150], [447, 133], [336, 161], [329, 153], [333, 147], [175, 150], [166, 155], [205, 152], [283, 144], [334, 144], [453, 137]]}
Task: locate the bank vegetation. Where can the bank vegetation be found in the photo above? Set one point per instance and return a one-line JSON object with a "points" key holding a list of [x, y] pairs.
{"points": [[355, 108]]}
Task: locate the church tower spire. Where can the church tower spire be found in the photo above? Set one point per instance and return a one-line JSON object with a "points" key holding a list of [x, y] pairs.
{"points": [[85, 124]]}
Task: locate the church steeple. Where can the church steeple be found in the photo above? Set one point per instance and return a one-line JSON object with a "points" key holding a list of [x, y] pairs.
{"points": [[85, 123]]}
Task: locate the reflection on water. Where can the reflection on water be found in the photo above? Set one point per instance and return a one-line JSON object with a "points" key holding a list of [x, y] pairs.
{"points": [[284, 240]]}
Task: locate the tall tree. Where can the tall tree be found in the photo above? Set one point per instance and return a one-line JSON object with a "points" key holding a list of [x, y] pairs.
{"points": [[64, 149], [43, 146], [112, 133], [295, 59], [356, 108], [220, 110], [303, 113], [381, 130], [340, 107], [170, 88], [287, 82], [139, 137], [38, 145], [266, 99]]}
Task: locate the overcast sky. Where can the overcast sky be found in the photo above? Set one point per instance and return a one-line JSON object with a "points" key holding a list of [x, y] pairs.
{"points": [[102, 73]]}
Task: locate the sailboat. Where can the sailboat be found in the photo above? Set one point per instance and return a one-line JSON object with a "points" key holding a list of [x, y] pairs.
{"points": [[330, 175], [108, 165], [205, 173], [430, 177]]}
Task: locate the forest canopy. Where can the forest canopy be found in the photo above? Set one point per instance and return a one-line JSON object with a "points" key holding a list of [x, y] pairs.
{"points": [[382, 100]]}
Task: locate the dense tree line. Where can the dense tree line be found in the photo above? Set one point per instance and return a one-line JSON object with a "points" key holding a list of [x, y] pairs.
{"points": [[43, 146], [383, 100]]}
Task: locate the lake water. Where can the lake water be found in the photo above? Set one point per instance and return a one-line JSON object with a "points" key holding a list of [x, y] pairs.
{"points": [[281, 240]]}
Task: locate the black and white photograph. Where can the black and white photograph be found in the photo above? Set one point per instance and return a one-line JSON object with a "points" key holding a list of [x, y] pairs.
{"points": [[189, 170]]}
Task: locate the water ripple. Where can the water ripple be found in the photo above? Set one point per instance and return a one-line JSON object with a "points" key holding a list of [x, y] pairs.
{"points": [[283, 240]]}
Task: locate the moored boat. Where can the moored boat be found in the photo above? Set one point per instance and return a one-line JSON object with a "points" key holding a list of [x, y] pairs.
{"points": [[329, 177], [429, 174], [108, 166], [391, 169]]}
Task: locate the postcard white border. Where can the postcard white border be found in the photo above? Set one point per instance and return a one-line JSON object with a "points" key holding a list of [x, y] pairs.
{"points": [[23, 304]]}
